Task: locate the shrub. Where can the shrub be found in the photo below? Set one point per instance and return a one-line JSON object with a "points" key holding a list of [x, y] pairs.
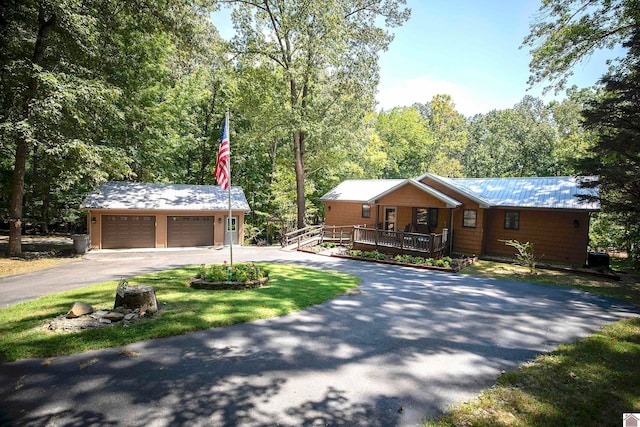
{"points": [[524, 256], [374, 255], [243, 272], [355, 252]]}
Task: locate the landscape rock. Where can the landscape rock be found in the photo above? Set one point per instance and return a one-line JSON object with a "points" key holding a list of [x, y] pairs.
{"points": [[79, 309], [113, 316], [130, 316]]}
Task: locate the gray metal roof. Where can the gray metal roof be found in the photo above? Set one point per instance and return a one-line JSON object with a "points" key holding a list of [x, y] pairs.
{"points": [[535, 192], [360, 190], [135, 195]]}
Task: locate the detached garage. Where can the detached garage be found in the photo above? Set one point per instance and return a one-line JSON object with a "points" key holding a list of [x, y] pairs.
{"points": [[141, 215]]}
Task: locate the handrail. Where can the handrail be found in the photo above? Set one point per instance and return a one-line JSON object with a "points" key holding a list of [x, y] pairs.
{"points": [[427, 243]]}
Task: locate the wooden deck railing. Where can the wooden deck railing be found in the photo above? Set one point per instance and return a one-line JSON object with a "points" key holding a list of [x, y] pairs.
{"points": [[432, 245], [301, 235]]}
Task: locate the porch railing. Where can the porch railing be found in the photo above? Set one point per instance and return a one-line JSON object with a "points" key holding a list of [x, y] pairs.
{"points": [[432, 244]]}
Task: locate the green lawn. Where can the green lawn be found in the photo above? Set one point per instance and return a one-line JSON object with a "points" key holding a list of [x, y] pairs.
{"points": [[182, 309], [590, 382]]}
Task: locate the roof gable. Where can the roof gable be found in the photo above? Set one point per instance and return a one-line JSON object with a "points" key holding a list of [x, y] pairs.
{"points": [[369, 191], [145, 196]]}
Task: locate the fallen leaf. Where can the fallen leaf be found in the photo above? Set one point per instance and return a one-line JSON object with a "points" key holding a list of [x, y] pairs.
{"points": [[130, 353], [47, 362], [89, 363]]}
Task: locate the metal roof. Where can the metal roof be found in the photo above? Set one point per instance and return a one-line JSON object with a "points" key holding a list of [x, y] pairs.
{"points": [[145, 196], [534, 192], [360, 190]]}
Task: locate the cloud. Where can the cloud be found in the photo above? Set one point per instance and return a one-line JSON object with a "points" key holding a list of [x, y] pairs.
{"points": [[421, 89]]}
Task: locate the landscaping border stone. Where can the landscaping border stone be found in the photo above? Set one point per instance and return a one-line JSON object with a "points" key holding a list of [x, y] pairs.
{"points": [[198, 283]]}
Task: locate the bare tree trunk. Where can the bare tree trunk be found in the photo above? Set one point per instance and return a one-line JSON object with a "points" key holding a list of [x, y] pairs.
{"points": [[298, 152], [45, 26]]}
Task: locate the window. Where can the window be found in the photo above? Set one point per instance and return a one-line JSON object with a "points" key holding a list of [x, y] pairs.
{"points": [[433, 217], [366, 211], [512, 220], [390, 219], [469, 217], [421, 216], [425, 217]]}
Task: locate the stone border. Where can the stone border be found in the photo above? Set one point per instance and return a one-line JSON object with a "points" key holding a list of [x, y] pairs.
{"points": [[199, 283], [456, 269]]}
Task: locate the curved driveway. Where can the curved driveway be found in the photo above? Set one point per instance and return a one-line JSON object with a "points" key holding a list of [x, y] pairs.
{"points": [[412, 340]]}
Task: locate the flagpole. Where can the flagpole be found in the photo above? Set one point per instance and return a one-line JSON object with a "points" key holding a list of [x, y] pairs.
{"points": [[230, 217]]}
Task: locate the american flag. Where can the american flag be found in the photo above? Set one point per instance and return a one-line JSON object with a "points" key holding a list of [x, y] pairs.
{"points": [[224, 154]]}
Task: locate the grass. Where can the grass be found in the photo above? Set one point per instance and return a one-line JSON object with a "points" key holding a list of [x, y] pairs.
{"points": [[182, 309], [590, 382], [626, 289], [10, 266]]}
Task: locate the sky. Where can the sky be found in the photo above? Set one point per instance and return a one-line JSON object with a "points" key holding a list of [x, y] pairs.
{"points": [[469, 49]]}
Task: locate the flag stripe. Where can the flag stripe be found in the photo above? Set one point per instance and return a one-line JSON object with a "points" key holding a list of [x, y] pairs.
{"points": [[224, 156]]}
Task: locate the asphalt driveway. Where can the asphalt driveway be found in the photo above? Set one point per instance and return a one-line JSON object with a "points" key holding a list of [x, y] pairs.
{"points": [[414, 339]]}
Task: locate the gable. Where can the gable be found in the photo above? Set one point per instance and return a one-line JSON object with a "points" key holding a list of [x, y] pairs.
{"points": [[409, 195]]}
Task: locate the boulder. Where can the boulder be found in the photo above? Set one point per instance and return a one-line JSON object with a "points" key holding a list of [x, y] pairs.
{"points": [[114, 316], [79, 309]]}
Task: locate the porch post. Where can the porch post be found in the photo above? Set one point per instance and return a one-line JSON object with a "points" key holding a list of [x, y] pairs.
{"points": [[377, 222], [432, 245], [450, 236]]}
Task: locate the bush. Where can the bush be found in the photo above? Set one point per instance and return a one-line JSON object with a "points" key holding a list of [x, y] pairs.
{"points": [[524, 256], [243, 272], [355, 253]]}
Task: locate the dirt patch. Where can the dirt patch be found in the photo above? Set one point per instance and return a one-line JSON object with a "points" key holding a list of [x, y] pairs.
{"points": [[38, 253]]}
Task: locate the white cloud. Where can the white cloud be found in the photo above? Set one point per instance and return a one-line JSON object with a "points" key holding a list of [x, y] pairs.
{"points": [[422, 89]]}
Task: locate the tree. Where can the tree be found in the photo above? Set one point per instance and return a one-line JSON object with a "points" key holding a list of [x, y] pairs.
{"points": [[568, 31], [327, 53], [615, 159], [449, 129], [513, 142], [408, 141], [79, 94]]}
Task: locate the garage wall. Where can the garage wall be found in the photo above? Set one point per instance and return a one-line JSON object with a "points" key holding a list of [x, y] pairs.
{"points": [[94, 224]]}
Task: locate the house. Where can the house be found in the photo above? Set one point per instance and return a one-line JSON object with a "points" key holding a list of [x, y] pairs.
{"points": [[474, 213], [142, 215]]}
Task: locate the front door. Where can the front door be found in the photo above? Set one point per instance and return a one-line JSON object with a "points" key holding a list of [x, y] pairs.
{"points": [[390, 219], [231, 230]]}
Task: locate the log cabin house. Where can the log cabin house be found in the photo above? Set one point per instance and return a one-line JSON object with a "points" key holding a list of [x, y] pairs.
{"points": [[470, 216]]}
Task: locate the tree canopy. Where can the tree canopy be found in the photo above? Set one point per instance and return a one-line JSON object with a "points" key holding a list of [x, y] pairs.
{"points": [[136, 91], [567, 32]]}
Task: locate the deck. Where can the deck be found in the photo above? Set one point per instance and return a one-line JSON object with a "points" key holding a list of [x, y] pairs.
{"points": [[359, 237], [432, 245]]}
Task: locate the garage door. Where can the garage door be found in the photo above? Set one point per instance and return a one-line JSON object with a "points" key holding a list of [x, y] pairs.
{"points": [[189, 231], [128, 231]]}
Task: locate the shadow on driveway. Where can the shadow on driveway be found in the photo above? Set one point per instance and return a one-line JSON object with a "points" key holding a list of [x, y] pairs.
{"points": [[410, 344]]}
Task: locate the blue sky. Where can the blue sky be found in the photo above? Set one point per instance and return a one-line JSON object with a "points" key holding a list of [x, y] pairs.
{"points": [[468, 49]]}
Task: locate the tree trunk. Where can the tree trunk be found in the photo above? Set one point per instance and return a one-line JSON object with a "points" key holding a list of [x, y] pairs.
{"points": [[142, 297], [298, 151], [45, 26]]}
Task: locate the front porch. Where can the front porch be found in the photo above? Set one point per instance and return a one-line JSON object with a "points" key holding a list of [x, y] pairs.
{"points": [[430, 245]]}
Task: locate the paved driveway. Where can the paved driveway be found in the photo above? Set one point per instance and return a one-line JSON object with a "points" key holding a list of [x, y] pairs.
{"points": [[414, 339]]}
